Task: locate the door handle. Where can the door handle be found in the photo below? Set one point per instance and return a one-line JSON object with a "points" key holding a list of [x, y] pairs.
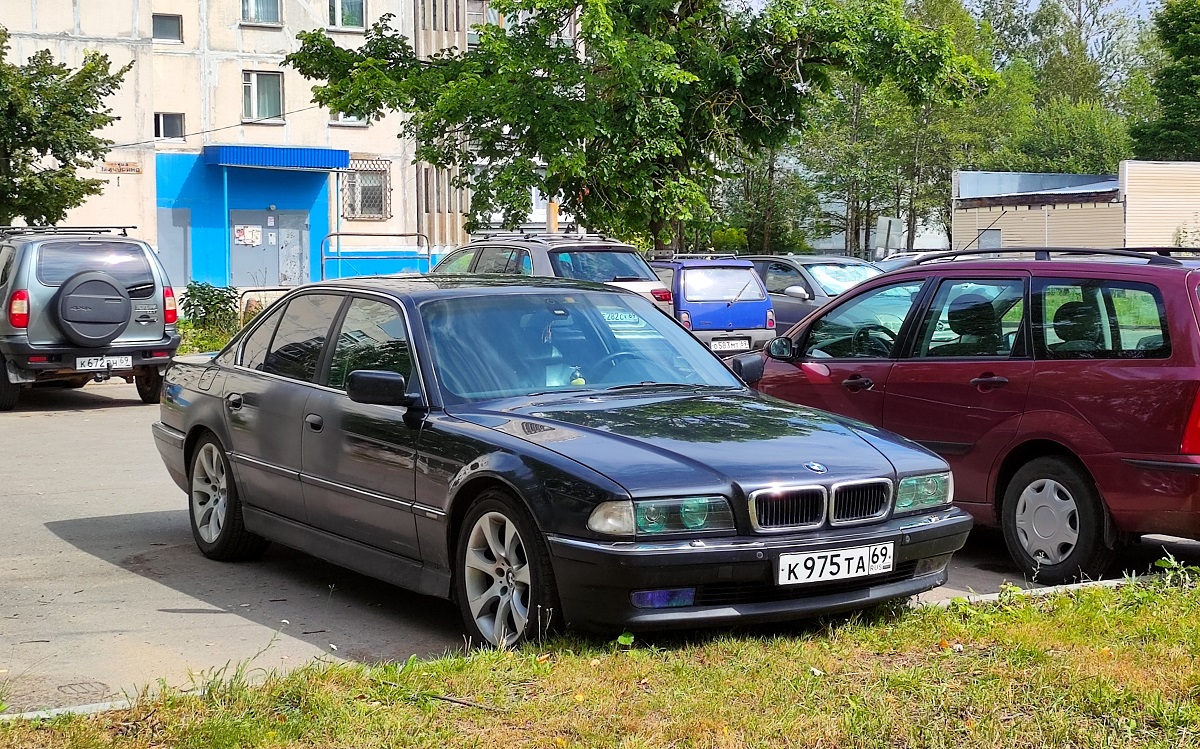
{"points": [[233, 401], [857, 382], [314, 422], [989, 382]]}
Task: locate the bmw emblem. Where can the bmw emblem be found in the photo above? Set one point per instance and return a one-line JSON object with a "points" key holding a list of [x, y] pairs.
{"points": [[816, 467]]}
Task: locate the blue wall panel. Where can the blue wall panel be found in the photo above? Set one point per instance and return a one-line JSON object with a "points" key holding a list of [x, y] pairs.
{"points": [[186, 181]]}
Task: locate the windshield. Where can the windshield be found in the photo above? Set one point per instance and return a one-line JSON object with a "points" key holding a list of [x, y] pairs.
{"points": [[498, 346], [126, 262], [603, 266], [721, 285], [835, 278]]}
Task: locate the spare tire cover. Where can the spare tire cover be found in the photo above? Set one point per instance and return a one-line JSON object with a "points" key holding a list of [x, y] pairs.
{"points": [[92, 308]]}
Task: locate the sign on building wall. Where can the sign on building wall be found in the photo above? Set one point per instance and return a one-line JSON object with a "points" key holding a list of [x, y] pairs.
{"points": [[121, 167], [247, 234]]}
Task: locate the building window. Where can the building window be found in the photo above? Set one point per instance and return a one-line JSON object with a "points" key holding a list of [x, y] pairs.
{"points": [[262, 96], [348, 14], [260, 11], [436, 193], [340, 118], [168, 28], [367, 190], [476, 11], [168, 125]]}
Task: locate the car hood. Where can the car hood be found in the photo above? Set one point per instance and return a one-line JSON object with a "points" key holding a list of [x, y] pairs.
{"points": [[670, 443]]}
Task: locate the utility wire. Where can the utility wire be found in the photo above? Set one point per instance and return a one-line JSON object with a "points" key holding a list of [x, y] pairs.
{"points": [[218, 129]]}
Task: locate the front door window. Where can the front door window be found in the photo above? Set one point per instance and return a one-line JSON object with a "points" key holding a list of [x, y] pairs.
{"points": [[864, 328]]}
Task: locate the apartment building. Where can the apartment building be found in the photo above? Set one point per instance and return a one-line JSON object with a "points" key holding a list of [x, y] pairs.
{"points": [[222, 159]]}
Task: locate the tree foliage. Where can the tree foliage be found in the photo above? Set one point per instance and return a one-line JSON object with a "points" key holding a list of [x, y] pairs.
{"points": [[49, 116], [627, 110], [1174, 135]]}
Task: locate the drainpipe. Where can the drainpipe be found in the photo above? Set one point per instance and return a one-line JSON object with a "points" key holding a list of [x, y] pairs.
{"points": [[228, 226]]}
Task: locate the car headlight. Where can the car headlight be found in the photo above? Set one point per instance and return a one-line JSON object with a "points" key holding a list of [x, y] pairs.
{"points": [[924, 492], [652, 517]]}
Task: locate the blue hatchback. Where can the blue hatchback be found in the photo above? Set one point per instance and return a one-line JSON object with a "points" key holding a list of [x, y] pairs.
{"points": [[722, 301]]}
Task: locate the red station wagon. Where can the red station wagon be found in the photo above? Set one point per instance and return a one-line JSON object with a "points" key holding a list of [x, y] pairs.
{"points": [[1063, 390]]}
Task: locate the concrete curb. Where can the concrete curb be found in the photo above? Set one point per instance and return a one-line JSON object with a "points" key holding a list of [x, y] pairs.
{"points": [[1046, 591], [96, 707]]}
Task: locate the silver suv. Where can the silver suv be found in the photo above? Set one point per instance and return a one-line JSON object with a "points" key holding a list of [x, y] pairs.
{"points": [[82, 304]]}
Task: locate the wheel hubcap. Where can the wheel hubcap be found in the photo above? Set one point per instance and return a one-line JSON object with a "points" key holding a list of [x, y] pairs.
{"points": [[1047, 521], [210, 493], [496, 573]]}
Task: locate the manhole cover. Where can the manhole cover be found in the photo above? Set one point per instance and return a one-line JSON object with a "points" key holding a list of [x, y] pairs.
{"points": [[85, 689]]}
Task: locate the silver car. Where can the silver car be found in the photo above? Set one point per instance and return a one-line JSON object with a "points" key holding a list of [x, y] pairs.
{"points": [[82, 304], [583, 257]]}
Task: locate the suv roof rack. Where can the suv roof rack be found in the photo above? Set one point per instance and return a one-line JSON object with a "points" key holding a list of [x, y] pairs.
{"points": [[543, 236], [18, 230], [1161, 256], [704, 256]]}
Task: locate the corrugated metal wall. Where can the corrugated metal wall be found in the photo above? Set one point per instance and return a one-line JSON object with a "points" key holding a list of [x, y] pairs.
{"points": [[1161, 198], [1066, 225]]}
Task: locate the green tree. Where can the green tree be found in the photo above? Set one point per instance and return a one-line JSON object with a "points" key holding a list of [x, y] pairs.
{"points": [[1070, 137], [49, 115], [770, 202], [625, 110], [1174, 134]]}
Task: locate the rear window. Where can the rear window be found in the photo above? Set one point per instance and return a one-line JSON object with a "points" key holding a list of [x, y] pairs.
{"points": [[58, 261], [603, 266], [721, 285], [835, 278]]}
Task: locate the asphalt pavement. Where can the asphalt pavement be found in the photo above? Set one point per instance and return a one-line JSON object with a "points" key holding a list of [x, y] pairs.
{"points": [[103, 592]]}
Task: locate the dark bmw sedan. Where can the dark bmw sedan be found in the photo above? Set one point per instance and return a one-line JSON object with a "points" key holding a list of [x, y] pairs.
{"points": [[544, 453]]}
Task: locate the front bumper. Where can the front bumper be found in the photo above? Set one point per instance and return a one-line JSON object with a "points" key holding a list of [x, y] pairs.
{"points": [[734, 577], [60, 359]]}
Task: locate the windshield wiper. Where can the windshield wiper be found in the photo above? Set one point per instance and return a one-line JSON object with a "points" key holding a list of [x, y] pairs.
{"points": [[648, 385], [738, 296], [627, 279], [557, 391]]}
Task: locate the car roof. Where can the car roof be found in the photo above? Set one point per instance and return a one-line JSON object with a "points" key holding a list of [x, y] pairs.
{"points": [[727, 262], [810, 259], [420, 287], [1039, 259], [597, 242]]}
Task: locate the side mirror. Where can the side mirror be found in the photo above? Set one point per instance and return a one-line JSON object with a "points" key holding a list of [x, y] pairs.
{"points": [[781, 349], [378, 387], [797, 292], [749, 367]]}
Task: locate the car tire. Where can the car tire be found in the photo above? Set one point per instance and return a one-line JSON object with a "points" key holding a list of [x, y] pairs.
{"points": [[149, 387], [9, 391], [215, 508], [1054, 523], [504, 583]]}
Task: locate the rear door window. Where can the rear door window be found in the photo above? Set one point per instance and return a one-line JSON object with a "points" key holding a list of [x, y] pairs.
{"points": [[6, 262], [721, 285], [973, 317], [124, 261], [456, 262], [1099, 319], [254, 349], [603, 266], [300, 338]]}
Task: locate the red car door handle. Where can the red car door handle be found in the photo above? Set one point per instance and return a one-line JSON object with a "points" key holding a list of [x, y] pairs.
{"points": [[989, 382], [858, 382]]}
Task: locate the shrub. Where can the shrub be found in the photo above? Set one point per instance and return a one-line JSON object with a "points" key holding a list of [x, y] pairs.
{"points": [[210, 307]]}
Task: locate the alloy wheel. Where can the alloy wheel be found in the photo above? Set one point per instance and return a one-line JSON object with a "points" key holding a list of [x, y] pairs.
{"points": [[210, 492], [1047, 521], [497, 578]]}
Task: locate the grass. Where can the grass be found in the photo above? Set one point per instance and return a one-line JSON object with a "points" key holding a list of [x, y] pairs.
{"points": [[198, 340], [1102, 667]]}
